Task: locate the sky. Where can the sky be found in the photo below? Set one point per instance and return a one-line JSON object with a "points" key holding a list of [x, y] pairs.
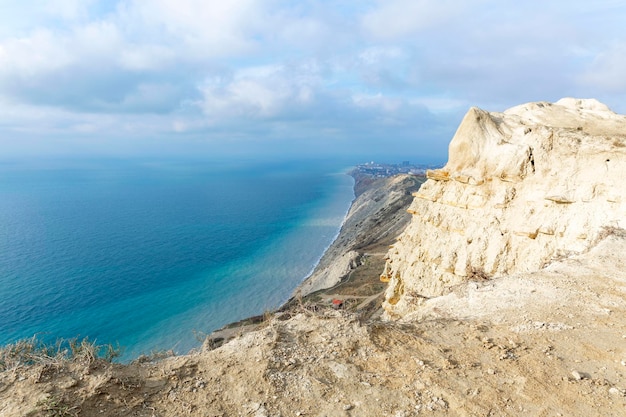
{"points": [[370, 79]]}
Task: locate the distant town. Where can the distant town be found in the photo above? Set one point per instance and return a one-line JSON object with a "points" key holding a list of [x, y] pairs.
{"points": [[388, 170]]}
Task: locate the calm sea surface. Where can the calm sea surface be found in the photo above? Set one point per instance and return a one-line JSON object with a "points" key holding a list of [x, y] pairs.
{"points": [[148, 253]]}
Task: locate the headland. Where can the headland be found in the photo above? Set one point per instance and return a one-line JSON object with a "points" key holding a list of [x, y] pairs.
{"points": [[505, 296]]}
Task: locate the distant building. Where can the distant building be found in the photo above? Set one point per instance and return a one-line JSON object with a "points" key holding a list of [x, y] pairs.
{"points": [[377, 170]]}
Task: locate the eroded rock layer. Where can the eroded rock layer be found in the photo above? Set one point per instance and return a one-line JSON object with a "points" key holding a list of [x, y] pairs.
{"points": [[521, 188]]}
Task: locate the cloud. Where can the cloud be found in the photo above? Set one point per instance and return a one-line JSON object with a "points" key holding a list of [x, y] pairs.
{"points": [[68, 10], [606, 71], [261, 92], [138, 40], [377, 102], [399, 18], [344, 73], [28, 57], [492, 54], [90, 68], [213, 28]]}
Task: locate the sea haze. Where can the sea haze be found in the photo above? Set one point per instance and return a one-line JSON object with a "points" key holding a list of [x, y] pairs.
{"points": [[147, 254]]}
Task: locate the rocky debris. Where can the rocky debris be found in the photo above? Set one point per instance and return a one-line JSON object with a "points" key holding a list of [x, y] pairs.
{"points": [[522, 188]]}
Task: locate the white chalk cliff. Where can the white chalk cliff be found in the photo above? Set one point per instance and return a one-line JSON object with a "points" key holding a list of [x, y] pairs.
{"points": [[521, 188]]}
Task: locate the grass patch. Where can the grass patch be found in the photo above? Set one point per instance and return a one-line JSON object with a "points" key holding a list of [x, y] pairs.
{"points": [[57, 407], [34, 351]]}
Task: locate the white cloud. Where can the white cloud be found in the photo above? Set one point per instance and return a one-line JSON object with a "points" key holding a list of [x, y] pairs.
{"points": [[27, 57], [160, 38], [68, 9], [377, 101], [209, 28], [440, 104], [242, 97], [134, 57], [397, 18], [606, 72], [262, 91], [99, 41], [253, 66], [376, 55]]}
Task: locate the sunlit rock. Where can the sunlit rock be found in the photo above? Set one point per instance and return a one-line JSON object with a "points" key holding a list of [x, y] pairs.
{"points": [[521, 188]]}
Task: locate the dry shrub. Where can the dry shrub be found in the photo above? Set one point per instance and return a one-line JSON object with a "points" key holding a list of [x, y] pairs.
{"points": [[611, 231], [57, 407], [34, 351], [478, 275]]}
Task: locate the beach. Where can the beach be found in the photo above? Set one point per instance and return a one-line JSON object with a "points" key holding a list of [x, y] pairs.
{"points": [[350, 268]]}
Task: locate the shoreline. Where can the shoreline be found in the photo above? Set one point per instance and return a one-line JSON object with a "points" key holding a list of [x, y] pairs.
{"points": [[188, 264], [376, 217], [545, 337], [350, 172], [350, 267]]}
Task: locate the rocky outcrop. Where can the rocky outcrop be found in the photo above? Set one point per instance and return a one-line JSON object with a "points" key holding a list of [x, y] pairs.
{"points": [[523, 187]]}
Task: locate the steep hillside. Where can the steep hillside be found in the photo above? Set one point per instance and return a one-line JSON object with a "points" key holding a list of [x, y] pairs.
{"points": [[538, 182], [507, 297], [377, 216]]}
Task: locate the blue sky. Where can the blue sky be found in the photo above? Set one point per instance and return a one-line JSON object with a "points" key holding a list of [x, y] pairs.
{"points": [[374, 79]]}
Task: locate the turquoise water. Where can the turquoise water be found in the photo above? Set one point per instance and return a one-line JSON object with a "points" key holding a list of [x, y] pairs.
{"points": [[145, 253]]}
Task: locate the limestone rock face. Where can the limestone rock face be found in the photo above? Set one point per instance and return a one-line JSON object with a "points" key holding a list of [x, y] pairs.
{"points": [[521, 188]]}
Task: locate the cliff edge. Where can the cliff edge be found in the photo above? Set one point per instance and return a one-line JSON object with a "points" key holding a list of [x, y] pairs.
{"points": [[507, 291], [521, 188], [376, 217]]}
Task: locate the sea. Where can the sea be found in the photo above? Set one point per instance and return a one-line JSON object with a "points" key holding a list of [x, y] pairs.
{"points": [[153, 255]]}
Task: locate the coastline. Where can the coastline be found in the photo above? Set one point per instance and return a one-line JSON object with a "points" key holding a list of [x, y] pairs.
{"points": [[376, 217], [232, 241], [315, 267], [350, 267], [540, 341]]}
